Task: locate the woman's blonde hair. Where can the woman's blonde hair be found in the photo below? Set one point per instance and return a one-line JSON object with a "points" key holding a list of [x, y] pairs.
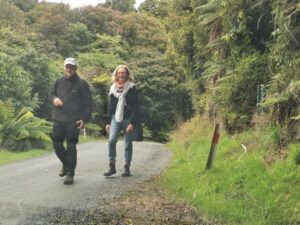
{"points": [[129, 76]]}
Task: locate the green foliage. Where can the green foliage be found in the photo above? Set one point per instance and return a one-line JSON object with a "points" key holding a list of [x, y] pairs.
{"points": [[11, 76], [20, 130]]}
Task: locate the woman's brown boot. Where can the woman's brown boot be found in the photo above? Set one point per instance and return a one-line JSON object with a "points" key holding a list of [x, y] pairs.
{"points": [[126, 170], [112, 169]]}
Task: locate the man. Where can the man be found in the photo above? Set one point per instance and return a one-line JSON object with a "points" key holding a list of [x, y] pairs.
{"points": [[72, 107]]}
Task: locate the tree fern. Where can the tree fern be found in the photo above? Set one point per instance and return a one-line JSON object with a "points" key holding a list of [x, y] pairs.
{"points": [[21, 127]]}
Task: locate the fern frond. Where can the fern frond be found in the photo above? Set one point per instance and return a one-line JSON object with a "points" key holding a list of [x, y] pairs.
{"points": [[23, 127], [23, 134], [7, 111], [24, 115], [39, 135]]}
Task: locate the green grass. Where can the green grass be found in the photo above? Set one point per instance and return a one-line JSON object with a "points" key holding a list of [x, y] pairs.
{"points": [[9, 157], [257, 188], [89, 139], [14, 156]]}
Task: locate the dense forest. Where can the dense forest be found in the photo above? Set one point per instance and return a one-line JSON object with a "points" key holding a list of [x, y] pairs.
{"points": [[233, 60]]}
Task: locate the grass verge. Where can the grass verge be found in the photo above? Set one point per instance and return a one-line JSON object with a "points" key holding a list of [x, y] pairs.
{"points": [[7, 156], [261, 186]]}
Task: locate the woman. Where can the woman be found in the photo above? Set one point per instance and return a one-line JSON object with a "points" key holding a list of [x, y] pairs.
{"points": [[122, 115]]}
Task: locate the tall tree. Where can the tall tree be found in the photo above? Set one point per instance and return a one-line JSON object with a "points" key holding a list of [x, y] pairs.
{"points": [[284, 65], [76, 39], [37, 67], [102, 20], [120, 5], [11, 76], [25, 5], [162, 97], [157, 8], [11, 16]]}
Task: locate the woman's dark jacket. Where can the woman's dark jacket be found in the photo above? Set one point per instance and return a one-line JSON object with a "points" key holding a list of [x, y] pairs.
{"points": [[76, 97], [131, 110]]}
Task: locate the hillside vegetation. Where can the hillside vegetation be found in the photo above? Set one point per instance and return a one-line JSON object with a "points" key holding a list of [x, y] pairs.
{"points": [[259, 186]]}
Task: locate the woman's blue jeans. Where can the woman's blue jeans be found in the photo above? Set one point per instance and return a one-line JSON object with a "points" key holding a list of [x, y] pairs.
{"points": [[115, 129]]}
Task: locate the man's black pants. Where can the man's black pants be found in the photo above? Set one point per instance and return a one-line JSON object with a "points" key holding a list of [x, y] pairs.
{"points": [[68, 156]]}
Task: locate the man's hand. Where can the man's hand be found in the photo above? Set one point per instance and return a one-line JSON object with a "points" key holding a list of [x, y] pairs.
{"points": [[80, 124], [57, 102], [129, 128]]}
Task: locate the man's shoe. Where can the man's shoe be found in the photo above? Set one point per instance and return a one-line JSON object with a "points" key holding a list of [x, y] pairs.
{"points": [[63, 172], [68, 180]]}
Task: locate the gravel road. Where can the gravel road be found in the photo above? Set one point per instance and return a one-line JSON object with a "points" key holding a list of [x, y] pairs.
{"points": [[32, 187]]}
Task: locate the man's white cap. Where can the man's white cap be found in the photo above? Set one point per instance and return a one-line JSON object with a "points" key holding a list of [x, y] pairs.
{"points": [[70, 61]]}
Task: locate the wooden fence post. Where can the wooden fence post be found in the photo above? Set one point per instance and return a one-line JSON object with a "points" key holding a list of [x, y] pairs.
{"points": [[213, 146], [84, 133]]}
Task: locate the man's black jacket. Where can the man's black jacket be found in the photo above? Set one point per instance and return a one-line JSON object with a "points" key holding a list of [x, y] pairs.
{"points": [[76, 97]]}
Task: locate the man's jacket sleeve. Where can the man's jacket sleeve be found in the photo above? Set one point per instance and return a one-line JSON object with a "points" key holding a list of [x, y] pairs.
{"points": [[53, 91], [86, 103]]}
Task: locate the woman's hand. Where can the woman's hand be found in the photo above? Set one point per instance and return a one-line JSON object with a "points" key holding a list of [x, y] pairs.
{"points": [[129, 128], [107, 128]]}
